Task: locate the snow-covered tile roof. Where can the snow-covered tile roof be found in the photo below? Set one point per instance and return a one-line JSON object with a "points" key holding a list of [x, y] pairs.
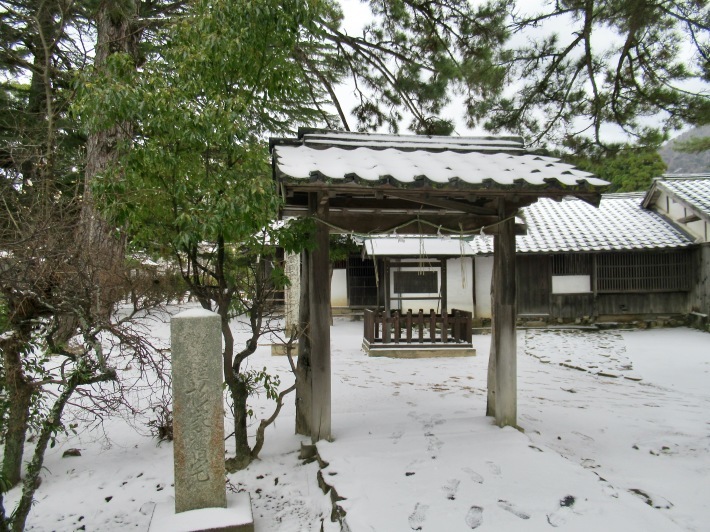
{"points": [[619, 223], [415, 161], [692, 189]]}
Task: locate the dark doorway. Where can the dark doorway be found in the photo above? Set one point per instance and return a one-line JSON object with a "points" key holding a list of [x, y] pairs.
{"points": [[362, 284]]}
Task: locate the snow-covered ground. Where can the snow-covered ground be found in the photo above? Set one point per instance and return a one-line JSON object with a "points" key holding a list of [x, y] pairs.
{"points": [[413, 449]]}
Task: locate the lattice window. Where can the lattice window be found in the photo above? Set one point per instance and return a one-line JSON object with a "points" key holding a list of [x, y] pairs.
{"points": [[572, 264], [644, 272]]}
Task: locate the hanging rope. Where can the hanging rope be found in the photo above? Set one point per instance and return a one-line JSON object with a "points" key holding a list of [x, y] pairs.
{"points": [[393, 230]]}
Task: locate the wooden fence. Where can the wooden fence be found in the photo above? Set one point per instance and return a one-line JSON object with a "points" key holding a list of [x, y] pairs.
{"points": [[453, 329]]}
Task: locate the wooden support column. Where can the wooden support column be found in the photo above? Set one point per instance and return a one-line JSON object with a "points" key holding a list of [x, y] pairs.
{"points": [[504, 339], [386, 333], [319, 296], [303, 367], [444, 288]]}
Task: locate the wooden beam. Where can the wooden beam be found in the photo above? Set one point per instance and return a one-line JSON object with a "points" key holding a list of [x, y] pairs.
{"points": [[688, 219], [416, 224], [448, 204], [319, 290], [504, 334]]}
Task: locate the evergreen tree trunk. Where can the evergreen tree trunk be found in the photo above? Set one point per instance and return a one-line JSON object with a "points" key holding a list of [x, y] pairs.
{"points": [[116, 32], [19, 394]]}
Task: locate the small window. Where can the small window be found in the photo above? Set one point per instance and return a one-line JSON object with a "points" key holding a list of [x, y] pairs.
{"points": [[644, 272], [416, 282], [572, 264]]}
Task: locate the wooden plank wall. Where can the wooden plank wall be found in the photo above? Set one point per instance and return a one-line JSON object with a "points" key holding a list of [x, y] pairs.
{"points": [[535, 295], [700, 296], [534, 279]]}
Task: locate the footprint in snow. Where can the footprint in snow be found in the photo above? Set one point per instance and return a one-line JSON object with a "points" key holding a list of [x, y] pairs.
{"points": [[474, 517], [494, 468], [450, 488], [435, 420], [513, 509], [417, 517], [560, 516], [473, 475], [435, 444], [583, 436]]}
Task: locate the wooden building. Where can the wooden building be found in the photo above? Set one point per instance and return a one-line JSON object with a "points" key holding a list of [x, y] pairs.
{"points": [[684, 201], [639, 256]]}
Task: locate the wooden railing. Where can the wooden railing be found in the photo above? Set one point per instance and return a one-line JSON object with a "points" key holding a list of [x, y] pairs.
{"points": [[409, 328]]}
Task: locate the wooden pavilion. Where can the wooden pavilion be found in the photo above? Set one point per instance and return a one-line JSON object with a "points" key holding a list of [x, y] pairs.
{"points": [[405, 184]]}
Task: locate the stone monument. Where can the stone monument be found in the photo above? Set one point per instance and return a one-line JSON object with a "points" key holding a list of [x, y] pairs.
{"points": [[198, 410], [201, 501]]}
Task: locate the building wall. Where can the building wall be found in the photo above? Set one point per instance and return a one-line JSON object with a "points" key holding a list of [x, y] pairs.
{"points": [[339, 288], [673, 210], [700, 296], [618, 306], [484, 275], [460, 283]]}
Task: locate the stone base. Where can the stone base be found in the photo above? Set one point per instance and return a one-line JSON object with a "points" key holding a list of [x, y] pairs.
{"points": [[417, 350], [236, 517], [279, 350]]}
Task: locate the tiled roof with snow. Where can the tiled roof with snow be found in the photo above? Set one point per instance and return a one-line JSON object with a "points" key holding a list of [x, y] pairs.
{"points": [[571, 225], [692, 189], [416, 161]]}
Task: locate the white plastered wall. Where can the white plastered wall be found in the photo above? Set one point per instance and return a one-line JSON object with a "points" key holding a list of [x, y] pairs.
{"points": [[484, 275], [459, 284], [339, 288]]}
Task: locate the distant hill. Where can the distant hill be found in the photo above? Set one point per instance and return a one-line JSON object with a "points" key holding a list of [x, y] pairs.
{"points": [[686, 163]]}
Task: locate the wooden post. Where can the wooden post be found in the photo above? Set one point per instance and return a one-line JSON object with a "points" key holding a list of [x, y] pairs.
{"points": [[395, 327], [409, 326], [420, 325], [303, 366], [319, 290], [444, 328], [491, 399], [504, 316], [369, 326], [385, 322], [457, 325], [444, 289]]}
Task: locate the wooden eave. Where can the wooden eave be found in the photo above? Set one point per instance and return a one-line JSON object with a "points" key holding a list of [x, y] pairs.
{"points": [[382, 207]]}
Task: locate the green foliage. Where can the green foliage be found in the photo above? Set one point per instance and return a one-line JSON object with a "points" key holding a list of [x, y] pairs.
{"points": [[4, 318], [694, 145], [342, 246], [627, 168], [599, 66], [198, 170], [261, 381], [414, 54], [5, 485]]}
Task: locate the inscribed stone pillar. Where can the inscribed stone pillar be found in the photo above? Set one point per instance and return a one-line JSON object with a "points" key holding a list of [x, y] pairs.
{"points": [[198, 411], [293, 291]]}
